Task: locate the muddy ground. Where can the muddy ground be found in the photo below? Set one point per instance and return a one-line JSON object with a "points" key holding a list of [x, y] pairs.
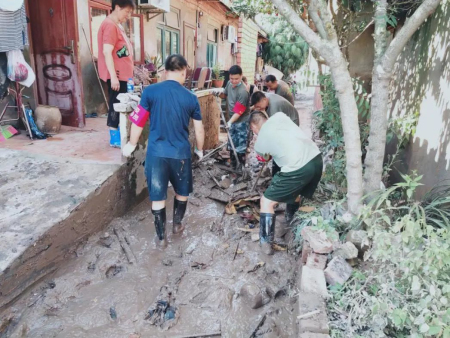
{"points": [[204, 284]]}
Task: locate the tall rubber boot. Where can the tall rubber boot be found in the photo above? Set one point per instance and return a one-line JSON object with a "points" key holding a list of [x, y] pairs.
{"points": [[290, 211], [160, 226], [179, 209], [266, 232]]}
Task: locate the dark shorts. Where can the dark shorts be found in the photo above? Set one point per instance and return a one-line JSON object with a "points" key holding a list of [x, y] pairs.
{"points": [[113, 116], [161, 170], [286, 187], [239, 135]]}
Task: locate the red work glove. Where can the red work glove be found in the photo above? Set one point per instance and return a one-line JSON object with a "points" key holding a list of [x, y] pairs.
{"points": [[262, 159]]}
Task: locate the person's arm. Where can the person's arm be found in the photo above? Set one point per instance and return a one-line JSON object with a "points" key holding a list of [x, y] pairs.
{"points": [[199, 134], [107, 52], [135, 134], [138, 119], [240, 107]]}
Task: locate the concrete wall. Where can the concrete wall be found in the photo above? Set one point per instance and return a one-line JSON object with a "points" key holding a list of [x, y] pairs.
{"points": [[247, 41], [422, 84]]}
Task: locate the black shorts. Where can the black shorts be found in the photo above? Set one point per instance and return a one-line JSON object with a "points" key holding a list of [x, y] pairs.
{"points": [[113, 116], [286, 187], [161, 170]]}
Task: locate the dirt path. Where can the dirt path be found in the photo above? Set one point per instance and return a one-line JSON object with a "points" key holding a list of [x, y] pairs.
{"points": [[198, 270], [206, 281]]}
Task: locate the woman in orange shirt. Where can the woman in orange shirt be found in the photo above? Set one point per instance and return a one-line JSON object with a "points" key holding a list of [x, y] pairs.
{"points": [[115, 60]]}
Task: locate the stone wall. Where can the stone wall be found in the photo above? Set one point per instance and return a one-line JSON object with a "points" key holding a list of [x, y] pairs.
{"points": [[422, 84]]}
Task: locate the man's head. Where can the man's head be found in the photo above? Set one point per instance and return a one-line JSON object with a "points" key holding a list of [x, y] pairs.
{"points": [[176, 67], [235, 75], [271, 82], [259, 101], [123, 9], [244, 79], [256, 121]]}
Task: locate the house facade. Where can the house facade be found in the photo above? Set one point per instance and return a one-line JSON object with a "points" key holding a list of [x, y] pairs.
{"points": [[64, 48]]}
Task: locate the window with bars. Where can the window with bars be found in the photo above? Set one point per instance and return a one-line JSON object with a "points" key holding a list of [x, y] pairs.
{"points": [[168, 42], [211, 46]]}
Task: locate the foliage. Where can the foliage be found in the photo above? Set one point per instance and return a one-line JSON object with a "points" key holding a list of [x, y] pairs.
{"points": [[216, 72], [330, 125], [404, 290], [285, 50]]}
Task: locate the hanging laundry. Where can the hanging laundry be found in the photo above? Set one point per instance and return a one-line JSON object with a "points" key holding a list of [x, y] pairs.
{"points": [[13, 34]]}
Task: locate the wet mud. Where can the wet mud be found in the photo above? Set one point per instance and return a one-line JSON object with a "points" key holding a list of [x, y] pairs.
{"points": [[212, 281]]}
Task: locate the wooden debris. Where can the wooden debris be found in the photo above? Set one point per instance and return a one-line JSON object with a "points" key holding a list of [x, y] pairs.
{"points": [[277, 247], [200, 335], [307, 209], [219, 196], [249, 230], [235, 252], [309, 314], [124, 243], [239, 187], [257, 266], [260, 323]]}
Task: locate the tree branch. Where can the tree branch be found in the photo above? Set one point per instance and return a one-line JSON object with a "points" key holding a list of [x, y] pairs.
{"points": [[398, 43], [312, 10], [356, 37], [300, 26], [327, 21], [380, 35]]}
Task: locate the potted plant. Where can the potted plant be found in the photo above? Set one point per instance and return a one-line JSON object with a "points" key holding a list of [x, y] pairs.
{"points": [[217, 81], [153, 64]]}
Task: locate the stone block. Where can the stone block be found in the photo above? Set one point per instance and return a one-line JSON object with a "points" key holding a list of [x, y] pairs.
{"points": [[254, 296], [319, 241], [318, 323], [338, 271], [313, 281], [316, 261], [360, 239], [306, 251], [347, 251]]}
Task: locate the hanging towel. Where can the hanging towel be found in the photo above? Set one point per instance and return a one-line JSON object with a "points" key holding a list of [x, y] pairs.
{"points": [[13, 33]]}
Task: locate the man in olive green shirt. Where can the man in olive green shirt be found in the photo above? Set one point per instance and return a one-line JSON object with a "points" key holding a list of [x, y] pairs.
{"points": [[279, 87], [274, 103], [301, 168]]}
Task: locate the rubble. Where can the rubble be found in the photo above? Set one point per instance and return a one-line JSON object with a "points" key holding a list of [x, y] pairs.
{"points": [[254, 296], [319, 241], [347, 251], [338, 271], [360, 239]]}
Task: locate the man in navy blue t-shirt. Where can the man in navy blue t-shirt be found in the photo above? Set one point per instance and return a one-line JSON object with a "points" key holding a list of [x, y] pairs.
{"points": [[170, 108]]}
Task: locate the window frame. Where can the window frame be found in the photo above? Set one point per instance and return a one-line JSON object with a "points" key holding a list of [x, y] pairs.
{"points": [[165, 29]]}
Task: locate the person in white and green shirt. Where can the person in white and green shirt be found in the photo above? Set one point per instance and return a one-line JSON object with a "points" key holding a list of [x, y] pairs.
{"points": [[278, 137]]}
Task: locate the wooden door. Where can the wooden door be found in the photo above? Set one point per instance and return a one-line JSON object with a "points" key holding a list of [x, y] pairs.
{"points": [[54, 30], [189, 44]]}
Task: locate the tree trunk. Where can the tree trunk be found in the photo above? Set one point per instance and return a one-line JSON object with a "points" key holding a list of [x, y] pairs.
{"points": [[382, 75], [349, 116]]}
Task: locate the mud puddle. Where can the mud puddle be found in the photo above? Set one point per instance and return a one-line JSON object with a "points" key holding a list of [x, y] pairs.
{"points": [[204, 284]]}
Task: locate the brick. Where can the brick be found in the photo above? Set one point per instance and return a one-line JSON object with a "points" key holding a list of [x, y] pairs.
{"points": [[313, 281], [338, 271], [318, 240], [306, 251], [316, 261], [318, 323], [360, 239]]}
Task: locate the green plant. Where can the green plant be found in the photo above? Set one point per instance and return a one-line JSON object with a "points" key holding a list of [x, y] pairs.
{"points": [[216, 72], [404, 289]]}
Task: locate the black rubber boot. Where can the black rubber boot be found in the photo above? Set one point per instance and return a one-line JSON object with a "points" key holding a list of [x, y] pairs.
{"points": [[290, 211], [266, 232], [179, 209], [160, 226]]}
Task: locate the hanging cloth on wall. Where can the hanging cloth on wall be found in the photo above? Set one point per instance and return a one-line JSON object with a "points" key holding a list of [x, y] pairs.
{"points": [[13, 34], [4, 80]]}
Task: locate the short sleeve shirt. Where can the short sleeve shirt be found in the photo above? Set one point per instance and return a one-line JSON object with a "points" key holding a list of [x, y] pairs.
{"points": [[284, 90], [171, 108], [280, 104], [112, 34], [289, 146], [237, 94]]}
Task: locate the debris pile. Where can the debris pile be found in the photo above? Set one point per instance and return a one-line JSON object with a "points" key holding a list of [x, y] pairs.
{"points": [[327, 260]]}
